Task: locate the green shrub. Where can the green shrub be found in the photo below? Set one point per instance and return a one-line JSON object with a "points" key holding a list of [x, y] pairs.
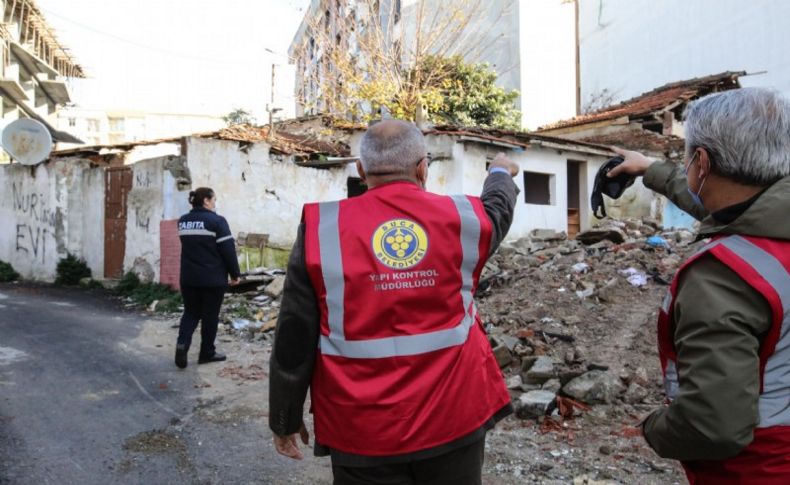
{"points": [[128, 284], [92, 284], [7, 272], [146, 293], [71, 270]]}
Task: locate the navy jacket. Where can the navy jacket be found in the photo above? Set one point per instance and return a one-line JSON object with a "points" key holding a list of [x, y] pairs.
{"points": [[208, 254]]}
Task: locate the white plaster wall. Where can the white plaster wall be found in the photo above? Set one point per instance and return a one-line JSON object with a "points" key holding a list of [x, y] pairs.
{"points": [[175, 202], [547, 61], [256, 194], [632, 46], [636, 202], [144, 212], [91, 224], [466, 173], [49, 210], [147, 152]]}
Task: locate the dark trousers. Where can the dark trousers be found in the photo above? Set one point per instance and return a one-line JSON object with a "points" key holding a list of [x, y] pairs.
{"points": [[462, 466], [201, 304]]}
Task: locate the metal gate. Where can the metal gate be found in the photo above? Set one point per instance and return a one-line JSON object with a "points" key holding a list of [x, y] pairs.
{"points": [[117, 184]]}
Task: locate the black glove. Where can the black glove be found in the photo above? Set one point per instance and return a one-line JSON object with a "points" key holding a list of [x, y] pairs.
{"points": [[612, 187]]}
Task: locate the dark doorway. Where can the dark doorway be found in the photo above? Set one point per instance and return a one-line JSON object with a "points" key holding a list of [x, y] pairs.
{"points": [[575, 171]]}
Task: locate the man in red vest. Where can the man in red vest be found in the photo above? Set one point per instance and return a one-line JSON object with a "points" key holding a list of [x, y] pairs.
{"points": [[378, 320], [724, 326]]}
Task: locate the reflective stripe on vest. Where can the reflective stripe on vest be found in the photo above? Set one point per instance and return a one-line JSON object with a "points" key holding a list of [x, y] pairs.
{"points": [[196, 232], [775, 399], [332, 271], [671, 384], [774, 404]]}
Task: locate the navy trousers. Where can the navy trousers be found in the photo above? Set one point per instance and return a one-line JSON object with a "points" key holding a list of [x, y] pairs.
{"points": [[201, 304]]}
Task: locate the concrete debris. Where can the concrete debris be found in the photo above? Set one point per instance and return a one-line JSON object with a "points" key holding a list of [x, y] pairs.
{"points": [[547, 235], [635, 394], [275, 288], [552, 385], [585, 480], [595, 387], [250, 309], [514, 382], [639, 376], [541, 370], [592, 236], [501, 352], [534, 403]]}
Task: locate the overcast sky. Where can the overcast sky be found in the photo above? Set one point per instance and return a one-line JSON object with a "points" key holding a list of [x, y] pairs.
{"points": [[190, 56]]}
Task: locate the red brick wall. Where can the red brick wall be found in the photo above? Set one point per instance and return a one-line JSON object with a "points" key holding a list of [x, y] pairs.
{"points": [[169, 253]]}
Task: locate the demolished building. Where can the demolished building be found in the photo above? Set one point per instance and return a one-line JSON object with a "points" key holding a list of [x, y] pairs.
{"points": [[651, 123], [116, 206]]}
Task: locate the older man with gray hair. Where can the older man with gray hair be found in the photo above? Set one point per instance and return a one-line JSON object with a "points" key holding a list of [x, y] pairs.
{"points": [[724, 326], [378, 320]]}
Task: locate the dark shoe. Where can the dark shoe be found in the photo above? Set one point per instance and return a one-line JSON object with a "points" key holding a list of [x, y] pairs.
{"points": [[214, 358], [181, 356]]}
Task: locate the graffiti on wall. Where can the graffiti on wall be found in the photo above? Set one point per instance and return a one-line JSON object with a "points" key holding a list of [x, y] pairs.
{"points": [[143, 196], [35, 221]]}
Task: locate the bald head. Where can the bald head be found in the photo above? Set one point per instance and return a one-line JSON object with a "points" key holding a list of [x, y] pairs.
{"points": [[391, 147]]}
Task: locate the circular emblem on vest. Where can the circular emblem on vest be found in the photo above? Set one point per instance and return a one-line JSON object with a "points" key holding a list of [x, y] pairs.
{"points": [[399, 243]]}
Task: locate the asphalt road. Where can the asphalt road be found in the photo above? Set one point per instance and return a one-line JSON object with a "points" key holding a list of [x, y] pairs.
{"points": [[89, 394]]}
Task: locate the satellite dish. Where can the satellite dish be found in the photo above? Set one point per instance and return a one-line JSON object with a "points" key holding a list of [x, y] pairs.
{"points": [[27, 141]]}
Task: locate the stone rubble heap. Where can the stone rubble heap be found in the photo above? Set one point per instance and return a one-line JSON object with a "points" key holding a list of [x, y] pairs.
{"points": [[250, 310], [552, 307]]}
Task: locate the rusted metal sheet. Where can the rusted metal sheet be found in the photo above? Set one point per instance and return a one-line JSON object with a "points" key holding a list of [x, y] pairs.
{"points": [[117, 184]]}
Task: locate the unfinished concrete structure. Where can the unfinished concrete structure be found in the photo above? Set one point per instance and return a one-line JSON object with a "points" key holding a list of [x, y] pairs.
{"points": [[34, 67]]}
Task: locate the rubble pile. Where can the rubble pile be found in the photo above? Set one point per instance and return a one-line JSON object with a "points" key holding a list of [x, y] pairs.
{"points": [[567, 318], [250, 309]]}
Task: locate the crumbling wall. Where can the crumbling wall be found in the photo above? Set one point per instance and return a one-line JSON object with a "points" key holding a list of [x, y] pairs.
{"points": [[259, 193], [48, 210], [159, 192]]}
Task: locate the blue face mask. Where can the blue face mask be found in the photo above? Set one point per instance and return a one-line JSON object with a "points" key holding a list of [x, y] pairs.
{"points": [[695, 196]]}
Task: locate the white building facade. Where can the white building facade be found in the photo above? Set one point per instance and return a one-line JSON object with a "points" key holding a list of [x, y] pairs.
{"points": [[628, 47], [108, 127]]}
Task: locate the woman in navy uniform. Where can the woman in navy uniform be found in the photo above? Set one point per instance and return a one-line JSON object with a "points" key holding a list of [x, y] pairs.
{"points": [[208, 256]]}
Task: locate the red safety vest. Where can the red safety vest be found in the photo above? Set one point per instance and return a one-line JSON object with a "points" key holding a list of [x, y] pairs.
{"points": [[765, 265], [403, 362]]}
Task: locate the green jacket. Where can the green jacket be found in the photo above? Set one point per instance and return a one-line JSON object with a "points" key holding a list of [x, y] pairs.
{"points": [[719, 323]]}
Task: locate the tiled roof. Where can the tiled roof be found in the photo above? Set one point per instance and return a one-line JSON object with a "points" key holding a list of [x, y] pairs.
{"points": [[657, 100], [282, 142], [641, 140], [518, 138]]}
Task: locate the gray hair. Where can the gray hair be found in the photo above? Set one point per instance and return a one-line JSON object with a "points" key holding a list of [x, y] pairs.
{"points": [[745, 131], [391, 147]]}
